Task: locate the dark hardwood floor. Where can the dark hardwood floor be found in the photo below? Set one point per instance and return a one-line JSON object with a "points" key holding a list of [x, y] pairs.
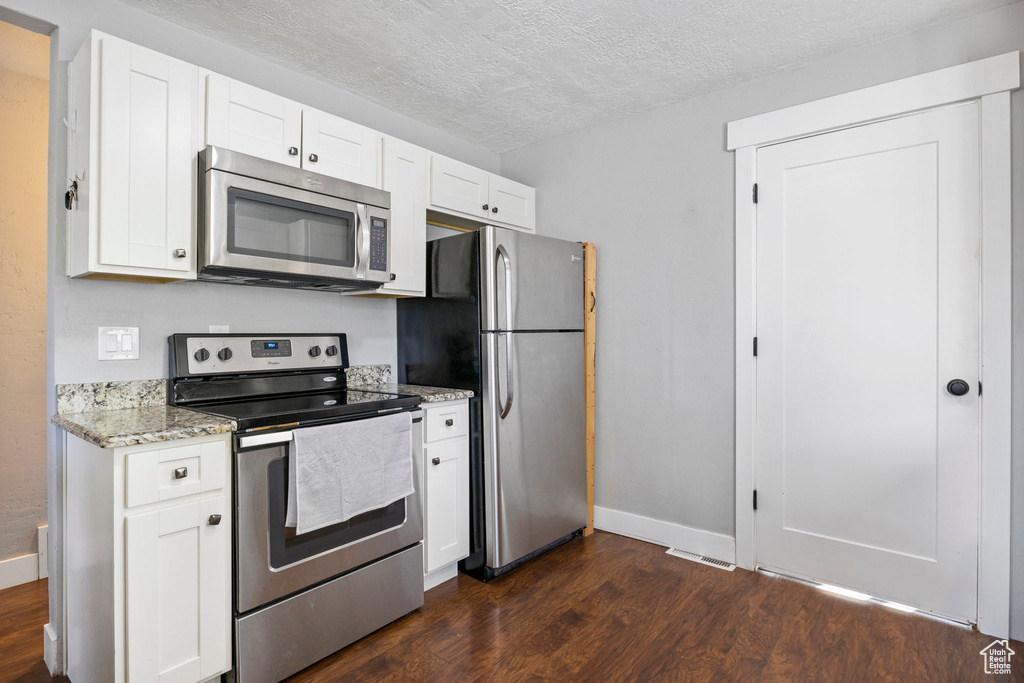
{"points": [[608, 608]]}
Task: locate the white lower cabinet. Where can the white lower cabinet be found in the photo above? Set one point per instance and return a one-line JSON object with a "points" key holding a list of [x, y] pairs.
{"points": [[446, 493], [148, 577]]}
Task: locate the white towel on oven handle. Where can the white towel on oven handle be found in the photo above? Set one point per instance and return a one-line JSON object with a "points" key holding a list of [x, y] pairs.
{"points": [[341, 470]]}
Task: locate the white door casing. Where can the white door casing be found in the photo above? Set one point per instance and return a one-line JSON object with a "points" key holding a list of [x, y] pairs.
{"points": [[867, 305], [987, 81]]}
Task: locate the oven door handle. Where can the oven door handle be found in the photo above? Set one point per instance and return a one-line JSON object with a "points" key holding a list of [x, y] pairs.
{"points": [[264, 439]]}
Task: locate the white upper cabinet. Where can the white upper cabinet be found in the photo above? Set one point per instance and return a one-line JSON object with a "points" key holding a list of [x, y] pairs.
{"points": [[465, 191], [405, 177], [459, 187], [512, 203], [252, 121], [135, 128], [340, 148]]}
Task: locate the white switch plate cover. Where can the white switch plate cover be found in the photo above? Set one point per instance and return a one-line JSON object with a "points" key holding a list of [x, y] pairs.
{"points": [[118, 343], [220, 329]]}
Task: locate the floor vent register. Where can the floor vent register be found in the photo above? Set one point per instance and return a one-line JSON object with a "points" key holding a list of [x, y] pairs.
{"points": [[693, 557]]}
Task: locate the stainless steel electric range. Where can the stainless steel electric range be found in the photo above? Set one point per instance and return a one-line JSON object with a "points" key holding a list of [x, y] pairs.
{"points": [[299, 598]]}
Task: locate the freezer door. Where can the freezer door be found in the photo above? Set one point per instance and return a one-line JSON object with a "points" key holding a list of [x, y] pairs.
{"points": [[530, 282], [535, 469]]}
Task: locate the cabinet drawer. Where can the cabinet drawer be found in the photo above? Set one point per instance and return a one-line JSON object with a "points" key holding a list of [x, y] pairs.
{"points": [[173, 471], [446, 422]]}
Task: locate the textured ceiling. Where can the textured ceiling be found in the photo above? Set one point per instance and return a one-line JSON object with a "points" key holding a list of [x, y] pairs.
{"points": [[505, 73]]}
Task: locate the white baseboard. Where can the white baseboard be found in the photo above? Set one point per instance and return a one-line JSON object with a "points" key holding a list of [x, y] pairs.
{"points": [[668, 534], [44, 571], [439, 576], [50, 649], [18, 570]]}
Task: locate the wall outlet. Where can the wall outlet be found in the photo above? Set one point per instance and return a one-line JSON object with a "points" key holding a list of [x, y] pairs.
{"points": [[118, 343], [220, 329]]}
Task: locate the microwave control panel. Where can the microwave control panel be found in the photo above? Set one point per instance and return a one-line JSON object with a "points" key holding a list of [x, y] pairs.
{"points": [[378, 244]]}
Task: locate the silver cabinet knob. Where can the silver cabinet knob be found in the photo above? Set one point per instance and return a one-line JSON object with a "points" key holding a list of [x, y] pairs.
{"points": [[449, 422], [494, 210], [181, 473], [179, 253], [436, 461], [486, 206], [314, 158], [294, 151], [214, 520]]}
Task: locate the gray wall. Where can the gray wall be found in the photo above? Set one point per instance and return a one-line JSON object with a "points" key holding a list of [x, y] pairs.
{"points": [[655, 192], [76, 307]]}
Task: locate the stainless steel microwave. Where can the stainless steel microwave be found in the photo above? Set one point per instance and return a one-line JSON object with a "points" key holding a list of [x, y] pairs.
{"points": [[269, 224]]}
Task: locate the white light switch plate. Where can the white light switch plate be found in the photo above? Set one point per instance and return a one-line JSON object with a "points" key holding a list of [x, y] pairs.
{"points": [[118, 343], [220, 329]]}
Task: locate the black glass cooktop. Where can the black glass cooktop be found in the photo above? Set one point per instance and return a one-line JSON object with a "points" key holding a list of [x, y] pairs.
{"points": [[307, 409]]}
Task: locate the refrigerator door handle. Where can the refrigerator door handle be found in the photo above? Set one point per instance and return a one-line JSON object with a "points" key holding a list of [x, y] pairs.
{"points": [[502, 254], [508, 375]]}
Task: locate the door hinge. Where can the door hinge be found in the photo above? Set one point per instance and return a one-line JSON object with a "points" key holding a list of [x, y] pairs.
{"points": [[755, 346], [755, 499], [755, 193]]}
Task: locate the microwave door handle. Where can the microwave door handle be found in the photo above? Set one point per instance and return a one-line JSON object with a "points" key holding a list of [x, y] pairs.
{"points": [[503, 256], [362, 241]]}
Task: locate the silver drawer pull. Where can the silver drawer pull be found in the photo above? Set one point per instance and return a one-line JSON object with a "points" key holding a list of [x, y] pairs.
{"points": [[214, 520], [449, 422], [436, 461], [181, 473]]}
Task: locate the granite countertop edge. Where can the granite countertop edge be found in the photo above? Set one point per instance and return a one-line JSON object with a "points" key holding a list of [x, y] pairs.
{"points": [[427, 394], [140, 425]]}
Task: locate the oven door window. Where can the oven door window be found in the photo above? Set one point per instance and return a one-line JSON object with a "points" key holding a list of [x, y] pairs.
{"points": [[287, 548], [274, 227]]}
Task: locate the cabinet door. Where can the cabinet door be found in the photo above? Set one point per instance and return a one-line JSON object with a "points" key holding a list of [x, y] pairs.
{"points": [[405, 177], [147, 140], [340, 148], [512, 203], [459, 187], [252, 121], [446, 533], [177, 598]]}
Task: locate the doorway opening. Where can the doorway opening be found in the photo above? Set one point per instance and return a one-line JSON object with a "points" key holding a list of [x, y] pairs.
{"points": [[24, 107]]}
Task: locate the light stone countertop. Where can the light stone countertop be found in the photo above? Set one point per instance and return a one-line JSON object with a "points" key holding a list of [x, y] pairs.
{"points": [[426, 394], [134, 426]]}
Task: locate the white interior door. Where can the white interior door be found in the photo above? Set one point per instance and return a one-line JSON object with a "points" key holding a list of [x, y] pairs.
{"points": [[867, 306]]}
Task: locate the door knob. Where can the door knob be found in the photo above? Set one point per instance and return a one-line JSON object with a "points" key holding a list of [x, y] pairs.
{"points": [[314, 158], [215, 520], [449, 422], [436, 461], [958, 387], [294, 151], [486, 206], [179, 253], [181, 473], [494, 210]]}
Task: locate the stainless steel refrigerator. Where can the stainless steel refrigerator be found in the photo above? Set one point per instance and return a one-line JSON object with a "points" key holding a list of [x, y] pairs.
{"points": [[503, 316]]}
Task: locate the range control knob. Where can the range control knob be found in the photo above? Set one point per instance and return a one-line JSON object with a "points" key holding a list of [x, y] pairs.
{"points": [[332, 350], [201, 355], [314, 351], [224, 354]]}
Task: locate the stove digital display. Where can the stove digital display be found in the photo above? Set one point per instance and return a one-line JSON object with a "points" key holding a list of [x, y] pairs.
{"points": [[262, 348]]}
